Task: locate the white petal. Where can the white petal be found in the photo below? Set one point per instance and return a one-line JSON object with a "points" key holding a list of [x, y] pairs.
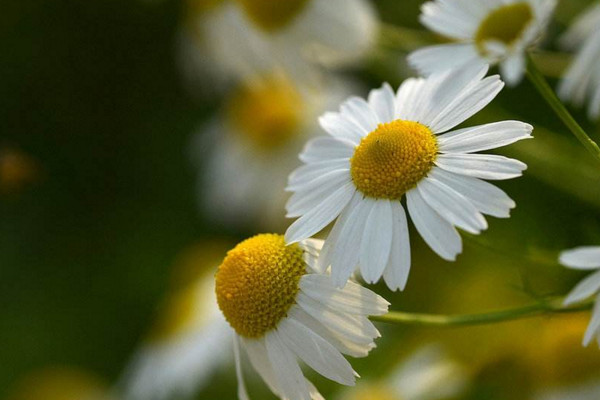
{"points": [[376, 241], [310, 196], [513, 68], [319, 217], [484, 166], [326, 148], [584, 289], [307, 173], [339, 126], [437, 233], [594, 325], [451, 206], [341, 343], [242, 393], [406, 98], [396, 272], [484, 137], [257, 353], [437, 58], [382, 102], [355, 328], [315, 352], [353, 298], [359, 111], [471, 100], [486, 197], [586, 257], [286, 368]]}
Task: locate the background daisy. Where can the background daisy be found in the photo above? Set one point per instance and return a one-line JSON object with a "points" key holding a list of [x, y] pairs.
{"points": [[393, 145], [582, 80], [485, 32], [282, 311]]}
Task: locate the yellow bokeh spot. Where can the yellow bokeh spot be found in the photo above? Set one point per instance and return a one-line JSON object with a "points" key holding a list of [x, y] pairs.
{"points": [[268, 112], [271, 15], [257, 283], [59, 383], [391, 160], [371, 392], [199, 7], [505, 24]]}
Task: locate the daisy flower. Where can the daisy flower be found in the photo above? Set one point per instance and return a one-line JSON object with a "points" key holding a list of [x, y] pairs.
{"points": [[238, 38], [394, 145], [582, 80], [245, 155], [282, 312], [428, 374], [485, 32], [585, 258], [178, 357]]}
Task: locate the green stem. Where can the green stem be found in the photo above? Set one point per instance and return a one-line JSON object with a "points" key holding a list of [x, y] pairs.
{"points": [[553, 306], [548, 94]]}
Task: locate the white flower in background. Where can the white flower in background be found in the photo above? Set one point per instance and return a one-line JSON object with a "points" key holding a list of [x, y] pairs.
{"points": [[582, 80], [428, 374], [241, 38], [60, 383], [390, 146], [585, 258], [283, 312], [179, 357], [485, 32], [245, 155]]}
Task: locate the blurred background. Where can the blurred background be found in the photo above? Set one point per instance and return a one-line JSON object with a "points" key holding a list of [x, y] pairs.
{"points": [[124, 177]]}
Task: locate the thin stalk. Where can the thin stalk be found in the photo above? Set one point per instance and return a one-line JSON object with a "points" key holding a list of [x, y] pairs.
{"points": [[553, 306], [561, 111]]}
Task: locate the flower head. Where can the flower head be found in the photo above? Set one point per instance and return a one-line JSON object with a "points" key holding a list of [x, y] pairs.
{"points": [[399, 145], [582, 80], [585, 258], [282, 311], [486, 32]]}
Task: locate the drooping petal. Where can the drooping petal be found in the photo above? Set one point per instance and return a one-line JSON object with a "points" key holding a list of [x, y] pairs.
{"points": [[396, 272], [584, 289], [586, 257]]}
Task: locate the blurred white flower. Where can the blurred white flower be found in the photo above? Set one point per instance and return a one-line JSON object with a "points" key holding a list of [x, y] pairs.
{"points": [[283, 312], [583, 391], [179, 357], [581, 83], [486, 32], [242, 38], [245, 155], [390, 146], [428, 374], [585, 258]]}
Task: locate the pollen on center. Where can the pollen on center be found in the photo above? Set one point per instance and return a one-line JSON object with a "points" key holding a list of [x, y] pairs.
{"points": [[393, 158], [257, 283]]}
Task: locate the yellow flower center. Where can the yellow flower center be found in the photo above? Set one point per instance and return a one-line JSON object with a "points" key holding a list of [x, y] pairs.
{"points": [[390, 161], [505, 24], [258, 282], [268, 112], [271, 15]]}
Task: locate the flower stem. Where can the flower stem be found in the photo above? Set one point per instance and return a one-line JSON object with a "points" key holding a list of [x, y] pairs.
{"points": [[553, 306], [561, 111]]}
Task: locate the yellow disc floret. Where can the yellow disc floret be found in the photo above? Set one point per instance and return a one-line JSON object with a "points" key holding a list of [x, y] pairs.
{"points": [[271, 15], [505, 24], [268, 112], [258, 282], [391, 160]]}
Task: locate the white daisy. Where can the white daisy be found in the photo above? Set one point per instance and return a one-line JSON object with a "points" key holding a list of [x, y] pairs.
{"points": [[245, 155], [390, 146], [283, 312], [585, 258], [179, 356], [486, 32], [238, 38], [428, 374], [582, 80]]}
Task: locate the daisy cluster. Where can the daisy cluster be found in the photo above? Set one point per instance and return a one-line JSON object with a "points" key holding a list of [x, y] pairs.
{"points": [[399, 155]]}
